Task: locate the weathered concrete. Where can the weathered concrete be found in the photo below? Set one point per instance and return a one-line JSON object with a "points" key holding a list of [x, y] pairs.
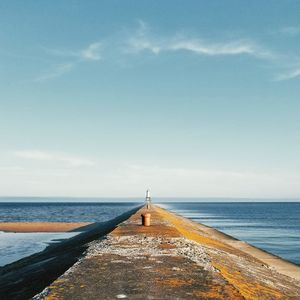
{"points": [[174, 258]]}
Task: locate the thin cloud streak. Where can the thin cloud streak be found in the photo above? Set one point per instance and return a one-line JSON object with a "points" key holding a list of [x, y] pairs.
{"points": [[142, 40], [88, 54], [228, 48], [288, 75], [205, 182], [69, 160], [54, 72], [49, 168], [91, 52]]}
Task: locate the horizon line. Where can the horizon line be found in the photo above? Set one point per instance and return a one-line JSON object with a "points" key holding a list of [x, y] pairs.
{"points": [[169, 198]]}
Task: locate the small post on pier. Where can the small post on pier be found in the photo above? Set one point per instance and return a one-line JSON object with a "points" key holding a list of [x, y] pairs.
{"points": [[146, 219], [148, 199]]}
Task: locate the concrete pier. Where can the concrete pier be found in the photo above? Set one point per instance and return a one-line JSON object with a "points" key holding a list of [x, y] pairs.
{"points": [[174, 258]]}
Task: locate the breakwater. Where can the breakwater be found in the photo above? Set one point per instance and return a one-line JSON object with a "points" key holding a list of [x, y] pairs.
{"points": [[174, 258]]}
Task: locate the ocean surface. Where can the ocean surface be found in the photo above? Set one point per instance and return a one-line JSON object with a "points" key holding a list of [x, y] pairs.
{"points": [[274, 227], [14, 246], [62, 212]]}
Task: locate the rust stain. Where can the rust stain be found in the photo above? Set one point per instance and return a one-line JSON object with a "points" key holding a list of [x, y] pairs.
{"points": [[167, 246]]}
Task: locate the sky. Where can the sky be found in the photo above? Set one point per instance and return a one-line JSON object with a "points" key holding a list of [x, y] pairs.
{"points": [[187, 98]]}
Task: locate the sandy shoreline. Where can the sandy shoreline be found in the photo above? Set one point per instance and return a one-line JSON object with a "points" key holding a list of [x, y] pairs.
{"points": [[41, 226]]}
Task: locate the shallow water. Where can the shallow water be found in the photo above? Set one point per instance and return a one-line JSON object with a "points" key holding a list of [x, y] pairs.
{"points": [[14, 246], [274, 227]]}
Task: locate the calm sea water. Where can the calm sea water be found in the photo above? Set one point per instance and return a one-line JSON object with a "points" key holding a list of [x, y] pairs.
{"points": [[274, 227], [14, 246], [62, 212]]}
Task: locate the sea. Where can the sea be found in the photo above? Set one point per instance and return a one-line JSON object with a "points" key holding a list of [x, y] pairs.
{"points": [[272, 226], [14, 246]]}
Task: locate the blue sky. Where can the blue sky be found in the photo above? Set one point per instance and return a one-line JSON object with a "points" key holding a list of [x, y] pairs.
{"points": [[188, 98]]}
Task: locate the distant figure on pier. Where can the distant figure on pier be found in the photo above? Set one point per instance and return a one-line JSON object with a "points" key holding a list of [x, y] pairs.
{"points": [[148, 199]]}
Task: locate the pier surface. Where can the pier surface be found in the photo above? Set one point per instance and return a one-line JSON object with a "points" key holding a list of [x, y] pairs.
{"points": [[174, 258]]}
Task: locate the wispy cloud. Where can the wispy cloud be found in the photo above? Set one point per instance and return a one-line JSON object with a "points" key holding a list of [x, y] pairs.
{"points": [[142, 40], [92, 52], [237, 47], [139, 40], [207, 182], [69, 160], [59, 174], [11, 169], [288, 75], [88, 54], [55, 71]]}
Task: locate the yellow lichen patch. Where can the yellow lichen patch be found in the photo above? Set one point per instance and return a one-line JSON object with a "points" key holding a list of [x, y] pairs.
{"points": [[52, 296], [153, 230], [219, 292], [186, 231], [250, 290], [176, 282]]}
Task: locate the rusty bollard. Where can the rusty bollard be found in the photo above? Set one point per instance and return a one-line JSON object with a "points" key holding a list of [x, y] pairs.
{"points": [[146, 219]]}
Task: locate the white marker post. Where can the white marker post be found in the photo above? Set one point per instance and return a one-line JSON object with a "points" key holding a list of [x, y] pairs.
{"points": [[148, 199]]}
